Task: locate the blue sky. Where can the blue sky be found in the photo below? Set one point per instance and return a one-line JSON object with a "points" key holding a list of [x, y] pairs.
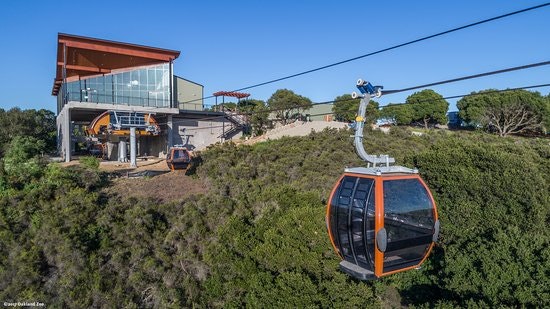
{"points": [[226, 45]]}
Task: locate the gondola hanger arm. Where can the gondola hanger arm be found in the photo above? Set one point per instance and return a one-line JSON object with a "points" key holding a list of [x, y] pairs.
{"points": [[367, 90]]}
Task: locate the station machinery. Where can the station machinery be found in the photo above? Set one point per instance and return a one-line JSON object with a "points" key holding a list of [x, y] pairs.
{"points": [[120, 126]]}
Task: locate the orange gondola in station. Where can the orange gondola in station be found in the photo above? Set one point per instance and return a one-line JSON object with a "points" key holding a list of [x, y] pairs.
{"points": [[381, 219], [178, 158], [116, 126]]}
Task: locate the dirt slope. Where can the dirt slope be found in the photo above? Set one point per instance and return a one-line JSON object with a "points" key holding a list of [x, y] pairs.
{"points": [[296, 129], [165, 186]]}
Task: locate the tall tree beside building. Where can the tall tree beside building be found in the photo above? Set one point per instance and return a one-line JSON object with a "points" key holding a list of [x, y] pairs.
{"points": [[257, 114], [506, 112], [286, 104]]}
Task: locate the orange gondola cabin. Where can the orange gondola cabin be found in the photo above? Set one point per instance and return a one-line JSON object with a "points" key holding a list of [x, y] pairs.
{"points": [[381, 219], [381, 222], [178, 158]]}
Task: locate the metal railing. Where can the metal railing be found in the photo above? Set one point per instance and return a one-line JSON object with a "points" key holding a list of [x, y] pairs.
{"points": [[98, 98], [94, 97]]}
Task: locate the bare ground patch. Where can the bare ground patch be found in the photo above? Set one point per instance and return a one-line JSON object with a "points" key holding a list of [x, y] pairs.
{"points": [[165, 187]]}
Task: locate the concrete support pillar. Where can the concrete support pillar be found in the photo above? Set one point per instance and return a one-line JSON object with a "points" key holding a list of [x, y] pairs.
{"points": [[67, 134], [73, 145], [59, 123], [133, 162], [112, 151], [170, 125], [122, 151]]}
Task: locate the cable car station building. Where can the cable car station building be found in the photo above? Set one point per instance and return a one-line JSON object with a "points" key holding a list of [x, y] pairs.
{"points": [[130, 94]]}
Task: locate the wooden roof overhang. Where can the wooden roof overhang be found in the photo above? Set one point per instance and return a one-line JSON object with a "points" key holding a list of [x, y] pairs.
{"points": [[84, 57], [235, 94]]}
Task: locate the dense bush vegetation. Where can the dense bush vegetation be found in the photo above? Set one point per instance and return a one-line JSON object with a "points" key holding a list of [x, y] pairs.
{"points": [[39, 124], [259, 239]]}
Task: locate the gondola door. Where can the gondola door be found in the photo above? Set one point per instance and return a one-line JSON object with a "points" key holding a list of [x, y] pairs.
{"points": [[409, 221]]}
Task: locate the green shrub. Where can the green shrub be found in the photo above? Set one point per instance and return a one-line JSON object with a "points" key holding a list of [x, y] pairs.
{"points": [[494, 205], [258, 238], [89, 162], [22, 163]]}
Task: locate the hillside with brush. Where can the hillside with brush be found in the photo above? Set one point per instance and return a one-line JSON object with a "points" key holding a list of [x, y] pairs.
{"points": [[257, 236]]}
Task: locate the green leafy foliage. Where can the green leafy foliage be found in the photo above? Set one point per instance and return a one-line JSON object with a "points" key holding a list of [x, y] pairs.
{"points": [[494, 206], [506, 112], [286, 104], [399, 114], [21, 163], [478, 181], [428, 107], [373, 112], [263, 260], [39, 124], [258, 115], [258, 238], [228, 105], [90, 162], [345, 109], [546, 115]]}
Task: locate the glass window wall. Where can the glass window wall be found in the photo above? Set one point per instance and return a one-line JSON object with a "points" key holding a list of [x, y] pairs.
{"points": [[147, 86]]}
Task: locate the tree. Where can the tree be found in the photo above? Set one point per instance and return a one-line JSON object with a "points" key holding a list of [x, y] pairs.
{"points": [[399, 114], [21, 163], [345, 109], [428, 107], [373, 112], [286, 104], [510, 119], [229, 105], [36, 123], [546, 115], [258, 115], [507, 112]]}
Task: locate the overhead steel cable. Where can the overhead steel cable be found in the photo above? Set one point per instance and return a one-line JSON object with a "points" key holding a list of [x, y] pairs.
{"points": [[523, 67], [482, 92], [386, 49], [468, 77], [398, 104]]}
